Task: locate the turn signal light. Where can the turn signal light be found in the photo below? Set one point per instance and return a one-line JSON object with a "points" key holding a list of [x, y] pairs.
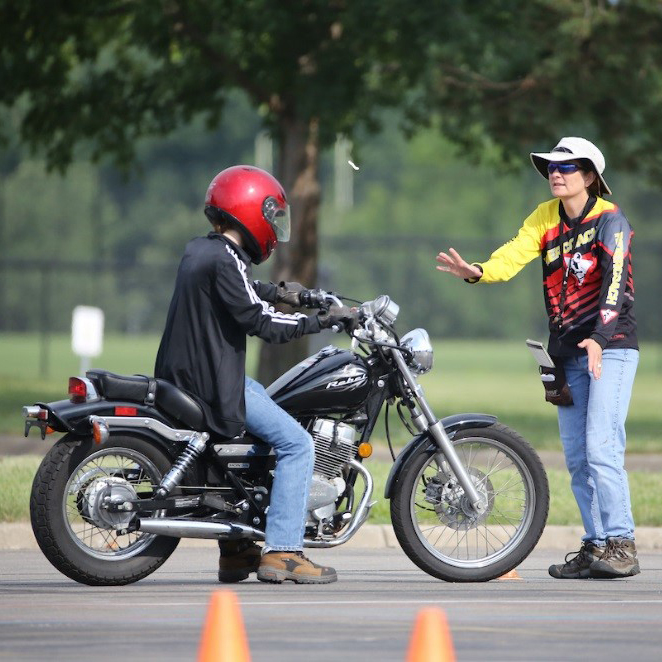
{"points": [[100, 432], [77, 390], [364, 450]]}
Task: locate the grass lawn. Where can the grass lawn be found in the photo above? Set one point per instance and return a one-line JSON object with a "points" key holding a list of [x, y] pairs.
{"points": [[499, 378], [16, 474], [492, 377]]}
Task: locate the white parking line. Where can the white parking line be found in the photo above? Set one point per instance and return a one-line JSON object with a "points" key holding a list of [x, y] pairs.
{"points": [[304, 603]]}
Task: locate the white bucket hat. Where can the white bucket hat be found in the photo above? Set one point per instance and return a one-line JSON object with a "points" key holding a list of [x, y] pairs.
{"points": [[571, 149]]}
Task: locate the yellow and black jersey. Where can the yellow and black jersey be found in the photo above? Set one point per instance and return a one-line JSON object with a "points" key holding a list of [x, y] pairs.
{"points": [[595, 252]]}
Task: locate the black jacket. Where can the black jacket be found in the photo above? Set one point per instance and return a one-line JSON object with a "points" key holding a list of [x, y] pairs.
{"points": [[214, 306]]}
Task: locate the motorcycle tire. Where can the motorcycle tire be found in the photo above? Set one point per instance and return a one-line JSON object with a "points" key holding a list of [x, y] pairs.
{"points": [[438, 529], [64, 508]]}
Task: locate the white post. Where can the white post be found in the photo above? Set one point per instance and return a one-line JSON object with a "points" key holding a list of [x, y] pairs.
{"points": [[343, 174], [86, 334]]}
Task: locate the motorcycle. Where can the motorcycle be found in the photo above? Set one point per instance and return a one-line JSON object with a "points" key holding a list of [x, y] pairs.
{"points": [[136, 470]]}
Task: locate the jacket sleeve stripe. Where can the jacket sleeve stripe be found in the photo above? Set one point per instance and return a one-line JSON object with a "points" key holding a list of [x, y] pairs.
{"points": [[280, 318]]}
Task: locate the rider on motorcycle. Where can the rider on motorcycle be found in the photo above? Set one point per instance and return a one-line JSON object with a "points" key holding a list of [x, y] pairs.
{"points": [[203, 351]]}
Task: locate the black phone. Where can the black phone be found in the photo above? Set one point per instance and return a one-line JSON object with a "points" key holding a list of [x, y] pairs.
{"points": [[540, 353]]}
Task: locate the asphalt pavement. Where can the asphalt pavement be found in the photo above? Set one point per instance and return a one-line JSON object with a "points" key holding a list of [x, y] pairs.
{"points": [[368, 614]]}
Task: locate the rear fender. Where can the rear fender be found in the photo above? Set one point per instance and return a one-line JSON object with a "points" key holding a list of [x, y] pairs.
{"points": [[170, 449], [73, 417], [452, 424]]}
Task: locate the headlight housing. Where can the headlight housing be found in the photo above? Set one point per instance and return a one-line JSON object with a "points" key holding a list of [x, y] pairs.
{"points": [[418, 343]]}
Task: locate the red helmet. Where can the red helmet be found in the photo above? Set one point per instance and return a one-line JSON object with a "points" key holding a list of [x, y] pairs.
{"points": [[254, 202]]}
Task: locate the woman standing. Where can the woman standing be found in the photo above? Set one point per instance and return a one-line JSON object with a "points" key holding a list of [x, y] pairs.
{"points": [[584, 242]]}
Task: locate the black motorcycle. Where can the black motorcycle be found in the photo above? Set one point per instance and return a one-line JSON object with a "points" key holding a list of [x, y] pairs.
{"points": [[136, 470]]}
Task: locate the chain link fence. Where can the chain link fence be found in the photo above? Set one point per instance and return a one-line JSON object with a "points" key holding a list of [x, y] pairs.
{"points": [[40, 295]]}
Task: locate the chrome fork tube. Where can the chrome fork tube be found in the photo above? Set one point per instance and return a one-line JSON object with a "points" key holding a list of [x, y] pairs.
{"points": [[438, 434]]}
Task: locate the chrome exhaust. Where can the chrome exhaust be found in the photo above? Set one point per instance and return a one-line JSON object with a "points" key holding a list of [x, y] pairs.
{"points": [[183, 528], [186, 528]]}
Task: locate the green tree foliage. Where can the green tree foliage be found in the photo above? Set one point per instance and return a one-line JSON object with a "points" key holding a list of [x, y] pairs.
{"points": [[511, 73], [101, 76], [412, 199], [91, 78]]}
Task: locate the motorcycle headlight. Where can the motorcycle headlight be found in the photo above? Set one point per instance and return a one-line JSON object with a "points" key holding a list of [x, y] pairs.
{"points": [[418, 343]]}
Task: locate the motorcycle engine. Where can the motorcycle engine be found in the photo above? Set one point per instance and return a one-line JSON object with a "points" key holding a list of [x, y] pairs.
{"points": [[334, 447]]}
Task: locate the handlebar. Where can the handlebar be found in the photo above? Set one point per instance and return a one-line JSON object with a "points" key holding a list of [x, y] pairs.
{"points": [[381, 309], [318, 299]]}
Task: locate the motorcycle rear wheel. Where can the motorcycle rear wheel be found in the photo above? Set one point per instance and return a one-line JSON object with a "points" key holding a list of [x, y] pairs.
{"points": [[73, 531], [437, 528]]}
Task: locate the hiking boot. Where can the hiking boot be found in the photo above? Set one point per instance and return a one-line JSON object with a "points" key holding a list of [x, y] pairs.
{"points": [[618, 560], [238, 559], [277, 566], [577, 567]]}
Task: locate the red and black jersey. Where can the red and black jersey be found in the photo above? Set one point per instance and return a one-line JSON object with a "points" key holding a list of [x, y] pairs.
{"points": [[596, 253]]}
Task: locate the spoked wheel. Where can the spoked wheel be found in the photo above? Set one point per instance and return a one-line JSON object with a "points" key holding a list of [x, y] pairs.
{"points": [[438, 528], [108, 474], [71, 520]]}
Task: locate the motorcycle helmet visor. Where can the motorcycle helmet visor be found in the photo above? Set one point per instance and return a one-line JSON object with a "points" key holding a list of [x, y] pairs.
{"points": [[278, 216]]}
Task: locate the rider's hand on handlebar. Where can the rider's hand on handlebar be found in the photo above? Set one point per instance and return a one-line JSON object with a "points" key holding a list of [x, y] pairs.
{"points": [[289, 293], [313, 298], [340, 317]]}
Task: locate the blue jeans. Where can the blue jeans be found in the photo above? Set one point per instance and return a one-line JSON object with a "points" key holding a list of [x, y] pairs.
{"points": [[593, 436], [295, 455]]}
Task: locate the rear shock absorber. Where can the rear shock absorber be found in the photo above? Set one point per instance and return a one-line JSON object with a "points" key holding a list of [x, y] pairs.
{"points": [[197, 443]]}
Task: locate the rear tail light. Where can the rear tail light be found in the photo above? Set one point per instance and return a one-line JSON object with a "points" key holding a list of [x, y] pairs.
{"points": [[77, 390]]}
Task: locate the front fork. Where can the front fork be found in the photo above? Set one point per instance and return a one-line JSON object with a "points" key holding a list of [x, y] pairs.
{"points": [[426, 421]]}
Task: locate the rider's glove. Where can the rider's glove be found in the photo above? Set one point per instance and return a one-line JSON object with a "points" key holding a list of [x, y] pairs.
{"points": [[289, 293], [339, 318]]}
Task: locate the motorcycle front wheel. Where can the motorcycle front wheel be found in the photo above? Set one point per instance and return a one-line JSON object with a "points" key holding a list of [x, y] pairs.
{"points": [[74, 529], [436, 525]]}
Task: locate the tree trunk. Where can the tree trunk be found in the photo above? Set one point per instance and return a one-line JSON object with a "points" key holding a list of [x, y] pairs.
{"points": [[298, 172]]}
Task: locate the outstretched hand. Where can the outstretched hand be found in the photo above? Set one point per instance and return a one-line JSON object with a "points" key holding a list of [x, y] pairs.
{"points": [[453, 263]]}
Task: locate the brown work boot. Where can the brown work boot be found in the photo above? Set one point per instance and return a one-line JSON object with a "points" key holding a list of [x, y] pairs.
{"points": [[238, 559], [618, 560], [578, 566], [277, 566]]}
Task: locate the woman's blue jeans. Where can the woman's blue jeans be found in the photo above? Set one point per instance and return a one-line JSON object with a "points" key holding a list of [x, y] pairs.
{"points": [[593, 436], [295, 455]]}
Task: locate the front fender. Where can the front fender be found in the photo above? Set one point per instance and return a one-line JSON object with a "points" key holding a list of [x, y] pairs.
{"points": [[452, 424]]}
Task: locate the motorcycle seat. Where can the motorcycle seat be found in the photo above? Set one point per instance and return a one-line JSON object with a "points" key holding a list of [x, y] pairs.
{"points": [[139, 388]]}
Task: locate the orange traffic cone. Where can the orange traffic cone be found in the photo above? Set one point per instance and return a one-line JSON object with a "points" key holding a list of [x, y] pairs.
{"points": [[224, 637], [431, 640], [510, 575]]}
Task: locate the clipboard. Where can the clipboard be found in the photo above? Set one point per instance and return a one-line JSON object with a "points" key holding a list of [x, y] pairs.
{"points": [[540, 353]]}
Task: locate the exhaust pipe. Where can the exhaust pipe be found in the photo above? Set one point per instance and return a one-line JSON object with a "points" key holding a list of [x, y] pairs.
{"points": [[186, 528], [360, 515], [183, 528]]}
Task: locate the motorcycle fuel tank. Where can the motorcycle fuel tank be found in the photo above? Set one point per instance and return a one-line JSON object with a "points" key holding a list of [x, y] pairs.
{"points": [[332, 381]]}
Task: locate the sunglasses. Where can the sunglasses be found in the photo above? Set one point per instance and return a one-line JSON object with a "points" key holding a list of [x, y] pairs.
{"points": [[563, 168]]}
